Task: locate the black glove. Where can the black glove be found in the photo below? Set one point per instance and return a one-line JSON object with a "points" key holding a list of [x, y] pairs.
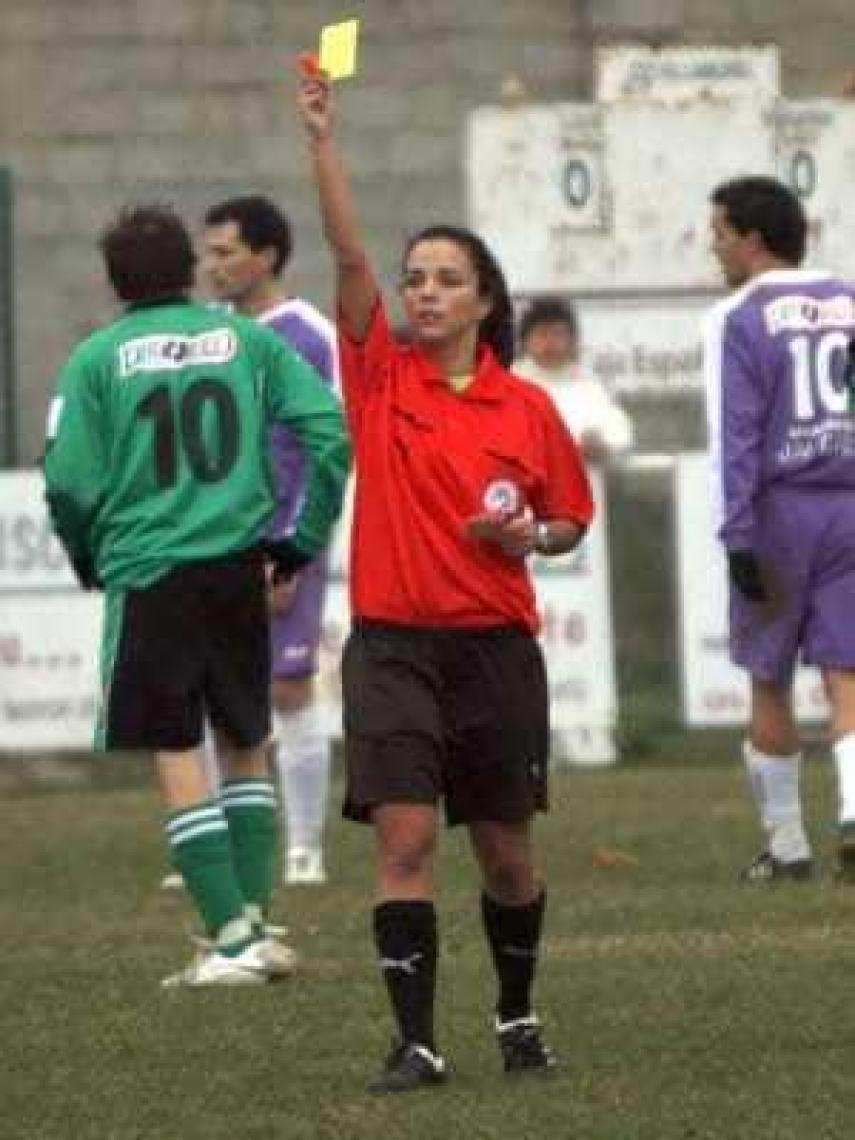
{"points": [[287, 558], [746, 575], [849, 375], [84, 572]]}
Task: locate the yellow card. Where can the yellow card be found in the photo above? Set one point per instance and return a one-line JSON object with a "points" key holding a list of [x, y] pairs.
{"points": [[337, 55]]}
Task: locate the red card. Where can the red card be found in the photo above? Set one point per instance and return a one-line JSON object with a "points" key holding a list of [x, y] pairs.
{"points": [[309, 64]]}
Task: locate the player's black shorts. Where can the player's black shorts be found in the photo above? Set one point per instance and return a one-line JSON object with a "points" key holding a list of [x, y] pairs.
{"points": [[194, 643], [458, 715]]}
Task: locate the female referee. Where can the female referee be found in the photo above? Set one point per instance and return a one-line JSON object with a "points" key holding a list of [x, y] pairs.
{"points": [[462, 471]]}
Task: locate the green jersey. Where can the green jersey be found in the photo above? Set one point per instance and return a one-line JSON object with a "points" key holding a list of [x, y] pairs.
{"points": [[157, 450]]}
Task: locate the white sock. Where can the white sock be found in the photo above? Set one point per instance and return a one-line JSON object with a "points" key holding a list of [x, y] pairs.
{"points": [[844, 762], [211, 761], [755, 781], [303, 762], [774, 783]]}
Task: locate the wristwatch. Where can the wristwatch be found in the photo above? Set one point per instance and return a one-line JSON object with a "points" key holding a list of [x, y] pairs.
{"points": [[542, 543]]}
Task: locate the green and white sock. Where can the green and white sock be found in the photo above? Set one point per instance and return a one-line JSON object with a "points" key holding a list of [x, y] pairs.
{"points": [[249, 806], [201, 851]]}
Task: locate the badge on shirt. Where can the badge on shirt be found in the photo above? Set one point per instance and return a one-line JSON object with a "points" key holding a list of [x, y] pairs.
{"points": [[502, 496]]}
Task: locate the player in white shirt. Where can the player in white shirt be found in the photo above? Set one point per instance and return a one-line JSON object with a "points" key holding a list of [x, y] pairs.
{"points": [[549, 355], [246, 248]]}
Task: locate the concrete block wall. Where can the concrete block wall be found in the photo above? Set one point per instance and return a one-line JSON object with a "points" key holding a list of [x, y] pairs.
{"points": [[108, 101]]}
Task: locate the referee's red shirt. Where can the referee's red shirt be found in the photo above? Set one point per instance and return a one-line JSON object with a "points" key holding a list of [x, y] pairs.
{"points": [[427, 460]]}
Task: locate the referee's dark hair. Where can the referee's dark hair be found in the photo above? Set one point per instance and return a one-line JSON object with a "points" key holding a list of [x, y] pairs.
{"points": [[497, 328], [763, 205], [261, 225], [549, 310], [148, 254]]}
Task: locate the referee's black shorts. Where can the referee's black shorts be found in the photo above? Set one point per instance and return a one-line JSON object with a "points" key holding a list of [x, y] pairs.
{"points": [[457, 715], [195, 643]]}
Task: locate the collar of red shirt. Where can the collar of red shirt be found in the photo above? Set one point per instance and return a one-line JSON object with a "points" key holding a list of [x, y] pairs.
{"points": [[489, 385]]}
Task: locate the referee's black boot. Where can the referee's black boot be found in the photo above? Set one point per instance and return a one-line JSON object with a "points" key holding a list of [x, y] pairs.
{"points": [[408, 1067], [522, 1047]]}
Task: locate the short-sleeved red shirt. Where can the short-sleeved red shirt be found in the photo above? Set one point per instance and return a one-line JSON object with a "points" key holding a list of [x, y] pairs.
{"points": [[427, 460]]}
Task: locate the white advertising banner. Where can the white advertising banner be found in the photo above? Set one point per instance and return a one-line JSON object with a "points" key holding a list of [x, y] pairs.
{"points": [[48, 669], [642, 345], [573, 593], [49, 629], [715, 692], [31, 557]]}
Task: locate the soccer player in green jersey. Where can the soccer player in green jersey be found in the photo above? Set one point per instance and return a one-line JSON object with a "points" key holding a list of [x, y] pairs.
{"points": [[158, 485]]}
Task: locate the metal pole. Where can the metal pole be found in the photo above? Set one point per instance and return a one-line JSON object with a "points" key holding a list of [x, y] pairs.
{"points": [[7, 329]]}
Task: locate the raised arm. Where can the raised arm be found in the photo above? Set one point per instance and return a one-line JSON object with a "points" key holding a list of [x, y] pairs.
{"points": [[356, 285]]}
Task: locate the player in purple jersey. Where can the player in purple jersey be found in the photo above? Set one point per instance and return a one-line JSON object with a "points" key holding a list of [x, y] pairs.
{"points": [[247, 244], [782, 442]]}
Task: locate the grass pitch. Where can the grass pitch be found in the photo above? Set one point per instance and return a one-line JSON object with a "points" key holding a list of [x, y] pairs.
{"points": [[682, 1004]]}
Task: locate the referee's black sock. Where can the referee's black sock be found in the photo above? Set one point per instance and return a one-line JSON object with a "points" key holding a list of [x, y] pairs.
{"points": [[405, 936], [514, 936]]}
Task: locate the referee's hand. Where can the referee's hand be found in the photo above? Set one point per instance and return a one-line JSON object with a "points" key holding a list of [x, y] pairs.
{"points": [[315, 103], [513, 532]]}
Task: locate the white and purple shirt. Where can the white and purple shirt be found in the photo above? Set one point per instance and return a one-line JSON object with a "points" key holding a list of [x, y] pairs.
{"points": [[313, 336], [777, 398]]}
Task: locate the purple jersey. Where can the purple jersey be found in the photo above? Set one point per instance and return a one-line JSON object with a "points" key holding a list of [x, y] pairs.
{"points": [[777, 401], [310, 334]]}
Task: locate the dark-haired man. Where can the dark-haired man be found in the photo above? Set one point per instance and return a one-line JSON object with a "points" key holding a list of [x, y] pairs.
{"points": [[782, 443], [158, 486], [246, 248]]}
